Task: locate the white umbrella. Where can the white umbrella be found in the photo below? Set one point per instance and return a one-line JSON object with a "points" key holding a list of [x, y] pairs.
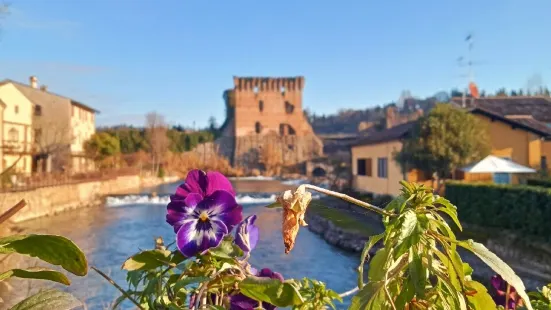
{"points": [[494, 164]]}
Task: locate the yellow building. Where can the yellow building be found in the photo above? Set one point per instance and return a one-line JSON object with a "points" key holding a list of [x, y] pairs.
{"points": [[519, 129], [53, 127], [15, 129]]}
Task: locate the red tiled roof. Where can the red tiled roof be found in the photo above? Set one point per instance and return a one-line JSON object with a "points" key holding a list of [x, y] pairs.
{"points": [[391, 134], [529, 113]]}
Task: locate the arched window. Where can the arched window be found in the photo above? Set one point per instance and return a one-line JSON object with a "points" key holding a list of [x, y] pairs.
{"points": [[13, 134], [289, 108], [261, 105], [257, 127], [286, 130]]}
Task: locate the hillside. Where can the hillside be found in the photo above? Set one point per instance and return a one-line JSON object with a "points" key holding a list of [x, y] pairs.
{"points": [[348, 121]]}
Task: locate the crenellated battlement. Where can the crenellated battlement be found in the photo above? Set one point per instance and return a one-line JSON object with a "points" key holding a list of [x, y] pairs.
{"points": [[268, 84]]}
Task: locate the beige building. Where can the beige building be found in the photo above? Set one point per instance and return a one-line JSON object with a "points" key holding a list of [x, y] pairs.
{"points": [[519, 129], [15, 129], [56, 127]]}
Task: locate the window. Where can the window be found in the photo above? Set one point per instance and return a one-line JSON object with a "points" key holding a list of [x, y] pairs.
{"points": [[13, 134], [37, 110], [257, 127], [289, 108], [502, 178], [261, 105], [382, 167], [361, 163], [73, 111], [368, 167], [16, 109], [544, 163]]}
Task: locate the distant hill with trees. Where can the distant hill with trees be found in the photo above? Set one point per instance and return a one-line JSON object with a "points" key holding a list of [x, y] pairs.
{"points": [[348, 120]]}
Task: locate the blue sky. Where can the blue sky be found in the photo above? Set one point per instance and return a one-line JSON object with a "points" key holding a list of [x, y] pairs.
{"points": [[129, 57]]}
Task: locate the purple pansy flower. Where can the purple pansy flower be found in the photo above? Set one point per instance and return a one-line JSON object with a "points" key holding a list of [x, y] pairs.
{"points": [[246, 234], [198, 185], [202, 211], [500, 287], [242, 302]]}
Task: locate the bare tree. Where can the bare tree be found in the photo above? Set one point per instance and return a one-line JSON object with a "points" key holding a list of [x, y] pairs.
{"points": [[52, 143], [156, 129]]}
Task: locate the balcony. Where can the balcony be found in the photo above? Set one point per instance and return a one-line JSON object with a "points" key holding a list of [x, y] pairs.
{"points": [[17, 147]]}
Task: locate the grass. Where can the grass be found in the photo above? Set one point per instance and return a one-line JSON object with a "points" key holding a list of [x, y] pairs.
{"points": [[342, 219]]}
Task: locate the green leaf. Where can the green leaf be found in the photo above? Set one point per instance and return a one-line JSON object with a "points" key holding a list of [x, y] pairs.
{"points": [[370, 297], [406, 294], [409, 222], [450, 210], [467, 269], [55, 250], [377, 265], [226, 249], [147, 260], [395, 204], [280, 294], [187, 281], [47, 300], [498, 266], [40, 274], [365, 256], [481, 300], [417, 272]]}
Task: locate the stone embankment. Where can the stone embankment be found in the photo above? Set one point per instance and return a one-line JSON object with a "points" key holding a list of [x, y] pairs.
{"points": [[530, 260], [334, 235], [46, 201]]}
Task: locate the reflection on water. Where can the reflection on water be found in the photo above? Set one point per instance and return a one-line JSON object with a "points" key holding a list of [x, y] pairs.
{"points": [[109, 235]]}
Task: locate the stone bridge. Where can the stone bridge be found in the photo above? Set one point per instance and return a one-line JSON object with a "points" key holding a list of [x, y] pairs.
{"points": [[318, 167]]}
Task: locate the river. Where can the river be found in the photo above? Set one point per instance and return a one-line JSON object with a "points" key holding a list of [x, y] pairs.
{"points": [[113, 232]]}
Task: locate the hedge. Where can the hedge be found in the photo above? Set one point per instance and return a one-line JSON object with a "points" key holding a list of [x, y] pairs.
{"points": [[524, 209], [539, 182]]}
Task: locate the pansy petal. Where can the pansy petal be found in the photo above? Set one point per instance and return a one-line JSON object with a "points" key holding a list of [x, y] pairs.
{"points": [[221, 205], [193, 199], [268, 273], [186, 239], [211, 234], [195, 236], [242, 302], [246, 234], [217, 181], [177, 212], [253, 236], [196, 182]]}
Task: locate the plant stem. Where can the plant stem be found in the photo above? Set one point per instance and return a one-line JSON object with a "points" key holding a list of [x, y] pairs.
{"points": [[355, 201], [6, 215], [350, 292], [106, 277], [507, 296]]}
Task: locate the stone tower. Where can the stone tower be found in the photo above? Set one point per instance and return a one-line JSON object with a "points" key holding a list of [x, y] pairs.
{"points": [[264, 110]]}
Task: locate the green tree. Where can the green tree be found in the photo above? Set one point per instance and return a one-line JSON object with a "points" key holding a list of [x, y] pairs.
{"points": [[444, 140], [102, 145], [501, 92]]}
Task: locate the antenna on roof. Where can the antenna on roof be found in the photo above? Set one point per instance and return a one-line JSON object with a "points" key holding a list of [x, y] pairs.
{"points": [[467, 61]]}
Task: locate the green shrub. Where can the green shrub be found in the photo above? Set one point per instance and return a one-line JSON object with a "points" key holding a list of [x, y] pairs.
{"points": [[524, 209], [539, 182]]}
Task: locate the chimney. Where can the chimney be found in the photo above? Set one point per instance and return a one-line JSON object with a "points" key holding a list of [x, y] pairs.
{"points": [[33, 81], [44, 88]]}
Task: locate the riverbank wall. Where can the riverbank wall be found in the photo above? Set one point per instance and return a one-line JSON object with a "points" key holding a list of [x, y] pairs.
{"points": [[530, 260], [47, 201]]}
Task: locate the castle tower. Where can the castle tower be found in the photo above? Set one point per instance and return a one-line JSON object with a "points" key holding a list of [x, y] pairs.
{"points": [[269, 105], [264, 110]]}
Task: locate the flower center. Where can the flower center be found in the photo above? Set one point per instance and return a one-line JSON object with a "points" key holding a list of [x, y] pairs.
{"points": [[203, 217]]}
